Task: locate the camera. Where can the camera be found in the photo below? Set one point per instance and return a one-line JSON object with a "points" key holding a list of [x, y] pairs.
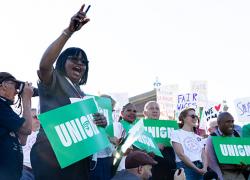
{"points": [[20, 86], [35, 92]]}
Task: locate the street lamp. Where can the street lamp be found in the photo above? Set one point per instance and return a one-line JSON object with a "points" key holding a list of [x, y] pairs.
{"points": [[157, 83]]}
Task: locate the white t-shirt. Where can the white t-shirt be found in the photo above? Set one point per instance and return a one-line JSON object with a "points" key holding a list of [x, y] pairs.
{"points": [[27, 148], [192, 144], [118, 129]]}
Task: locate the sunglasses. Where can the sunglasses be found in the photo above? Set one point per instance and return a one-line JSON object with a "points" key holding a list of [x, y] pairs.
{"points": [[193, 116], [75, 59]]}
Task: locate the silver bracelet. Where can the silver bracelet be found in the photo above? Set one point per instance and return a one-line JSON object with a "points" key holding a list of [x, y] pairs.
{"points": [[66, 34]]}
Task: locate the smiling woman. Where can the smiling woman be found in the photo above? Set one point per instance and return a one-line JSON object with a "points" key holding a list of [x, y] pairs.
{"points": [[73, 62], [56, 86], [188, 146]]}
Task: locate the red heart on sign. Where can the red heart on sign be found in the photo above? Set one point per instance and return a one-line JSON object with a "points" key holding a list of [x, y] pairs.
{"points": [[217, 107]]}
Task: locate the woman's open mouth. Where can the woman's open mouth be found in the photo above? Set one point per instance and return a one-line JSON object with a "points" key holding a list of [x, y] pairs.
{"points": [[77, 70]]}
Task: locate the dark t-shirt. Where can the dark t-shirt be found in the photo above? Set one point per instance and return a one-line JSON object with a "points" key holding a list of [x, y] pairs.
{"points": [[166, 166], [11, 154]]}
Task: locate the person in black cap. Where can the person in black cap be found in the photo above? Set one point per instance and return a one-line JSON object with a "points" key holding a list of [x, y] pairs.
{"points": [[56, 86], [138, 167], [14, 130]]}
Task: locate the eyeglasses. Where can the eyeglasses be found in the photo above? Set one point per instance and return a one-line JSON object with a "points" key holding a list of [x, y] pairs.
{"points": [[193, 116], [75, 59]]}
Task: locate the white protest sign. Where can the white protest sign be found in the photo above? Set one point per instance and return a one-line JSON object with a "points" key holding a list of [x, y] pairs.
{"points": [[243, 109], [200, 87], [211, 110], [166, 99], [121, 99], [184, 101], [188, 100]]}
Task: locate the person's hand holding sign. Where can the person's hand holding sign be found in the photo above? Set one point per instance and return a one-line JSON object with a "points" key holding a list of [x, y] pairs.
{"points": [[100, 120]]}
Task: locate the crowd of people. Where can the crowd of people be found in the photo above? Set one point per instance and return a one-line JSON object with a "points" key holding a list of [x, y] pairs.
{"points": [[27, 154]]}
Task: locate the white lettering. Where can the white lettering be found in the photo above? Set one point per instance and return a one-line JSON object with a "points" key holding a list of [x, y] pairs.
{"points": [[163, 132], [146, 140], [230, 150], [151, 130], [80, 128], [236, 150], [241, 150], [223, 149], [73, 131], [247, 149], [159, 132], [170, 131], [76, 130], [63, 135]]}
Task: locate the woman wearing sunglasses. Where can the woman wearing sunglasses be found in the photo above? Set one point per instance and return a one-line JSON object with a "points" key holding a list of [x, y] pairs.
{"points": [[56, 86], [188, 146]]}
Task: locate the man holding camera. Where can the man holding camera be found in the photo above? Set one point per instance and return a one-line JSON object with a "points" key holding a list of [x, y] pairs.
{"points": [[14, 130]]}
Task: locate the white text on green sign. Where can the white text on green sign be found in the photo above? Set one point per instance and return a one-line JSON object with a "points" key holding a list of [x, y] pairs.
{"points": [[76, 130]]}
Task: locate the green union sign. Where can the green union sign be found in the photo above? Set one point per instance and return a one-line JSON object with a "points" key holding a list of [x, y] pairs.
{"points": [[160, 129], [71, 131], [145, 141], [105, 107], [232, 150]]}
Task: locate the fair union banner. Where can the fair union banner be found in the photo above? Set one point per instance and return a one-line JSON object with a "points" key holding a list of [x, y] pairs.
{"points": [[232, 150], [71, 131]]}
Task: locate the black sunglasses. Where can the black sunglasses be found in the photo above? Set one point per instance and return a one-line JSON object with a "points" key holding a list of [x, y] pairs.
{"points": [[76, 59], [193, 116]]}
